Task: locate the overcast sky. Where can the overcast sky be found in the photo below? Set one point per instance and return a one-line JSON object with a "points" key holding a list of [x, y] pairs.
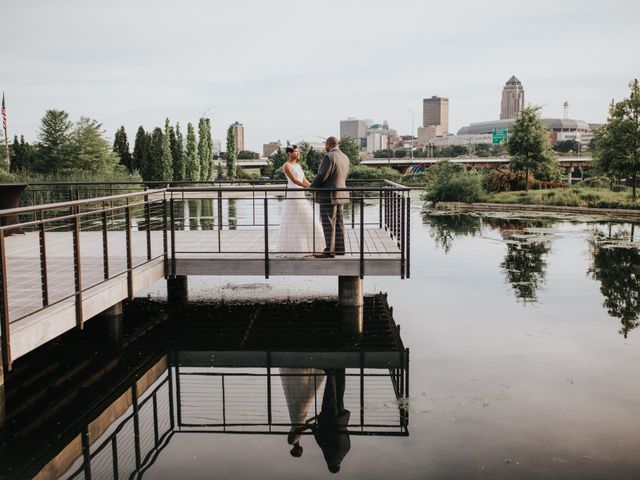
{"points": [[291, 69]]}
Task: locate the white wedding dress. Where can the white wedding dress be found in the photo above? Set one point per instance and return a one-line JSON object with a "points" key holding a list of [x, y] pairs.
{"points": [[298, 227]]}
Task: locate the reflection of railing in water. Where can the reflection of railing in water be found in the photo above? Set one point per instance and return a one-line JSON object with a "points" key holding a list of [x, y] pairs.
{"points": [[130, 448], [376, 401], [258, 395]]}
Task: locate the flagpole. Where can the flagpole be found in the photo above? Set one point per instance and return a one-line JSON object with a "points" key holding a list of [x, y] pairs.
{"points": [[6, 137]]}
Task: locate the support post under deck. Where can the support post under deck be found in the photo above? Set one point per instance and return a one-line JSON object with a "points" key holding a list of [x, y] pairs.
{"points": [[177, 290], [352, 306], [112, 325]]}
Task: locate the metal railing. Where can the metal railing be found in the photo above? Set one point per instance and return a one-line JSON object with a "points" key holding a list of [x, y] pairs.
{"points": [[70, 247]]}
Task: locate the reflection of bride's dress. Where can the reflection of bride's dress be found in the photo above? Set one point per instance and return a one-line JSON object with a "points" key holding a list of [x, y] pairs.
{"points": [[297, 222], [300, 386]]}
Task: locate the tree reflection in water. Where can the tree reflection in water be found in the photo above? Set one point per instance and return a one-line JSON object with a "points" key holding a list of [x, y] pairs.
{"points": [[524, 265], [615, 263], [446, 227]]}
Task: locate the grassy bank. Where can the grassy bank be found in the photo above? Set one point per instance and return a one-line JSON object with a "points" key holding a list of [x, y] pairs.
{"points": [[568, 197]]}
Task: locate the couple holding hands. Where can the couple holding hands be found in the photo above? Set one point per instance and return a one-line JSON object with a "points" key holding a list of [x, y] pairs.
{"points": [[299, 229]]}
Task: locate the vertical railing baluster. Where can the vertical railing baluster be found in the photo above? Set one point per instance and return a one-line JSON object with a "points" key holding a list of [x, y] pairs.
{"points": [[353, 212], [4, 307], [156, 435], [165, 244], [220, 219], [136, 425], [105, 243], [86, 454], [178, 393], [147, 219], [266, 236], [224, 405], [402, 236], [114, 458], [44, 280], [269, 416], [172, 421], [173, 234], [77, 270], [380, 208], [127, 214], [361, 234], [408, 239]]}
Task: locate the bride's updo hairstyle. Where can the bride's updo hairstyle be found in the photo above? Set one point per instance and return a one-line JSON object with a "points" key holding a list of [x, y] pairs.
{"points": [[291, 148]]}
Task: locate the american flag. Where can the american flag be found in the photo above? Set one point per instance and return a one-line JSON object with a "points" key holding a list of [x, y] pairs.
{"points": [[4, 115]]}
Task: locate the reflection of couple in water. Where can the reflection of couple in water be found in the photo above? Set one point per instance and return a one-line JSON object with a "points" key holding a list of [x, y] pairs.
{"points": [[329, 427]]}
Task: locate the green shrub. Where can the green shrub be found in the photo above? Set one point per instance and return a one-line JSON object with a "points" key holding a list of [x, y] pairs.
{"points": [[361, 172], [451, 182]]}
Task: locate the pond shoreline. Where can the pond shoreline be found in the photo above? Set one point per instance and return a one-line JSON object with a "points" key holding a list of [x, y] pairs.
{"points": [[621, 213]]}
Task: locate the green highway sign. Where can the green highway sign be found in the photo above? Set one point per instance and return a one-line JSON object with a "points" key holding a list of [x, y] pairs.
{"points": [[500, 136]]}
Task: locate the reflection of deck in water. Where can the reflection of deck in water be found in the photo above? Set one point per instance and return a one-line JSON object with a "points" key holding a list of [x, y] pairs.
{"points": [[211, 370]]}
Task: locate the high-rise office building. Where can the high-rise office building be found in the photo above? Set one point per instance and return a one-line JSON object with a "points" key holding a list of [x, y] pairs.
{"points": [[238, 132], [356, 129], [512, 99], [435, 112]]}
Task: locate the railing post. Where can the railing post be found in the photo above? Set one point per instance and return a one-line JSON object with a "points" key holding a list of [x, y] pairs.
{"points": [[173, 235], [380, 208], [136, 425], [147, 219], [266, 236], [44, 281], [361, 235], [77, 271], [408, 238], [114, 458], [164, 237], [105, 243], [219, 220], [127, 214], [4, 307], [86, 454], [402, 237]]}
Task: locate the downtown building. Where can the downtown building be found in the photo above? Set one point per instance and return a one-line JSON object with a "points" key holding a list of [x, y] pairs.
{"points": [[356, 129], [238, 132]]}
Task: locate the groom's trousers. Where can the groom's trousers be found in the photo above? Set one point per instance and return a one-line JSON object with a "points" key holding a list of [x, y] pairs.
{"points": [[332, 219]]}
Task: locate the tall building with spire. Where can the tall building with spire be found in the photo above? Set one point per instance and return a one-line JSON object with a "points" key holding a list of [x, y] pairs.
{"points": [[512, 99]]}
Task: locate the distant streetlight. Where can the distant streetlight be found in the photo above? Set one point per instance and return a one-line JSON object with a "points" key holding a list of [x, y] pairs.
{"points": [[413, 115]]}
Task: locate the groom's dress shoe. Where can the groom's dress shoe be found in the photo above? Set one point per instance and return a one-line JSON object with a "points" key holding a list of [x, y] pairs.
{"points": [[323, 255], [340, 253]]}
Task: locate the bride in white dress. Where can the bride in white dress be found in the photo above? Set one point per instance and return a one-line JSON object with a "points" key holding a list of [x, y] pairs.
{"points": [[298, 225]]}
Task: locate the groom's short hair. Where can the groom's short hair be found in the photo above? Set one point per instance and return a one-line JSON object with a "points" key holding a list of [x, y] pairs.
{"points": [[332, 142]]}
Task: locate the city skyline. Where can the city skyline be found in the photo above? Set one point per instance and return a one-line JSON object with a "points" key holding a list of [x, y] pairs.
{"points": [[122, 70]]}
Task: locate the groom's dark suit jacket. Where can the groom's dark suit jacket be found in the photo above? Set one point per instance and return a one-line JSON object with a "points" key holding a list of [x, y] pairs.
{"points": [[332, 173]]}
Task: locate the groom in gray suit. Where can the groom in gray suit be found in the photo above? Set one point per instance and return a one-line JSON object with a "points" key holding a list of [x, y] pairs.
{"points": [[332, 173]]}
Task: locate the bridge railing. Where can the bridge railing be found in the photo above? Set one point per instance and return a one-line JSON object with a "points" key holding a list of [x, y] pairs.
{"points": [[59, 252]]}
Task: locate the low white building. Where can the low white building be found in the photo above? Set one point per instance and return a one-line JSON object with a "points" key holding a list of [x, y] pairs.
{"points": [[465, 140], [377, 141]]}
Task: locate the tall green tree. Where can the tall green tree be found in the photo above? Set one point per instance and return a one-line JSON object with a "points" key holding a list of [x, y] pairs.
{"points": [[166, 165], [351, 149], [617, 144], [121, 148], [140, 150], [210, 146], [152, 170], [92, 152], [530, 147], [54, 137], [192, 165], [177, 150], [23, 155], [204, 149], [232, 164]]}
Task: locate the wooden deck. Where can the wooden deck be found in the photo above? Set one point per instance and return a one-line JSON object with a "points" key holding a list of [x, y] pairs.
{"points": [[197, 252]]}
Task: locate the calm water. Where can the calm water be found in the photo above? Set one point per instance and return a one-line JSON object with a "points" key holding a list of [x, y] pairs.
{"points": [[524, 358]]}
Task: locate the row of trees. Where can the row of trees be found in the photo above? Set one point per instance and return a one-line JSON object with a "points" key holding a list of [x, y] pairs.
{"points": [[64, 146], [617, 143], [164, 155]]}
